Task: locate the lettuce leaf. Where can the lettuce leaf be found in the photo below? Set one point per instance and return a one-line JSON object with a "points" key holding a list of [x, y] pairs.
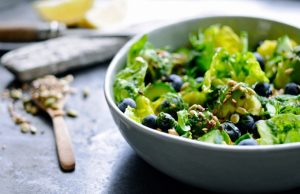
{"points": [[241, 67], [282, 61], [191, 94], [280, 104], [183, 120], [136, 49], [223, 36], [288, 69], [160, 62], [143, 109], [244, 98], [282, 128], [205, 42], [267, 49], [216, 136], [131, 79]]}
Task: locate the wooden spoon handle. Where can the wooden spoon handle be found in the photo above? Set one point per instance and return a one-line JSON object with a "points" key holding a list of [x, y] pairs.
{"points": [[63, 144]]}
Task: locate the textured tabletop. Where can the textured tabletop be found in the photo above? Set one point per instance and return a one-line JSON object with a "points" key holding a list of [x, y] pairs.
{"points": [[105, 162]]}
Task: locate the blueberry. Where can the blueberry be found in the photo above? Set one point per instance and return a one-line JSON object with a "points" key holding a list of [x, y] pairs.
{"points": [[175, 81], [248, 142], [263, 89], [150, 121], [125, 103], [233, 132], [292, 89], [245, 123], [260, 60], [199, 79], [165, 121]]}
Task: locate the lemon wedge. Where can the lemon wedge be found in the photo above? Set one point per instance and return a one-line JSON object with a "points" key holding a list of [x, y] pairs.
{"points": [[69, 12], [105, 16]]}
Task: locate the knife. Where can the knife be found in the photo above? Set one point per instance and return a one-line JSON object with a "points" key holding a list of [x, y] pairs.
{"points": [[14, 36], [32, 33]]}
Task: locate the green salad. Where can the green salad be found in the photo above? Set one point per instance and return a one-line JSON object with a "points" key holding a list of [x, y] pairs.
{"points": [[215, 89]]}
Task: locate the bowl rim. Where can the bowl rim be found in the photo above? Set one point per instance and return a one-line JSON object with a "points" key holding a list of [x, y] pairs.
{"points": [[177, 139]]}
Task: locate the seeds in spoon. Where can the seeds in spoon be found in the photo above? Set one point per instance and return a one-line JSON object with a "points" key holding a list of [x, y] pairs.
{"points": [[49, 90]]}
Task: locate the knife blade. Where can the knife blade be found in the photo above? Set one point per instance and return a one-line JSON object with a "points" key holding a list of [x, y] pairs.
{"points": [[13, 36]]}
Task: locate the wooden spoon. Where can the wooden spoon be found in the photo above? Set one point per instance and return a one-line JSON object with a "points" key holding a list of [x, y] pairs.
{"points": [[50, 93], [63, 140]]}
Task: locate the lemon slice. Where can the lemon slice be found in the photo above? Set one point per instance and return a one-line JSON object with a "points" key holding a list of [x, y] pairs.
{"points": [[67, 11], [105, 16]]}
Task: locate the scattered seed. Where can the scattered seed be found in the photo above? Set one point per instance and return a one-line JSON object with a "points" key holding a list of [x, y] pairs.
{"points": [[29, 107], [197, 107], [5, 94], [18, 119], [278, 92], [33, 129], [193, 112], [85, 93], [49, 102], [231, 83], [211, 124], [201, 114], [241, 110], [236, 87], [72, 113], [34, 110], [16, 94], [226, 98], [141, 92], [289, 71], [69, 78], [205, 129], [173, 132], [251, 91], [215, 118], [235, 118], [25, 127], [244, 90], [55, 106], [184, 86], [234, 101]]}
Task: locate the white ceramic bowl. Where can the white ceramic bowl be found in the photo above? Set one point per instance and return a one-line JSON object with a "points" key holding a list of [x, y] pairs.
{"points": [[214, 167]]}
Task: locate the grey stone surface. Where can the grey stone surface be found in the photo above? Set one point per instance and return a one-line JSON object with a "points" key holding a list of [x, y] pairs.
{"points": [[105, 163]]}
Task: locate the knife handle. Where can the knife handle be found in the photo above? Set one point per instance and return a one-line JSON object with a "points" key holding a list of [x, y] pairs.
{"points": [[23, 33]]}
